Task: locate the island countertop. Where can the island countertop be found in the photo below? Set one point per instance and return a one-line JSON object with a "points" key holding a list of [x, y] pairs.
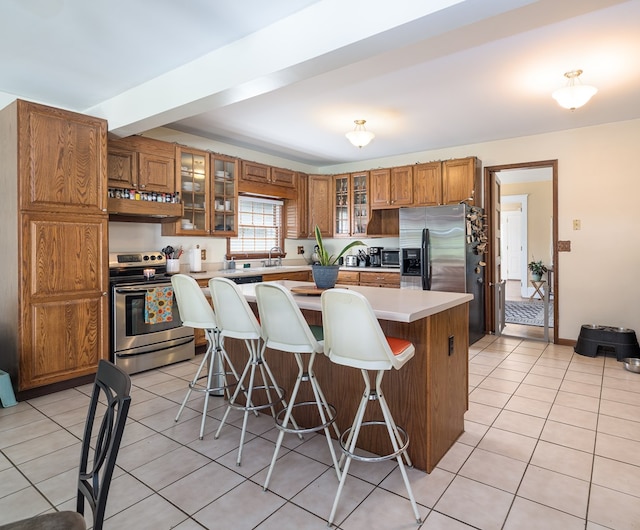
{"points": [[398, 305], [428, 397]]}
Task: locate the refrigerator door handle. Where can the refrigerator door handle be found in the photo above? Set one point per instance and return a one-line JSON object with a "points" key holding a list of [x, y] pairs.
{"points": [[425, 261]]}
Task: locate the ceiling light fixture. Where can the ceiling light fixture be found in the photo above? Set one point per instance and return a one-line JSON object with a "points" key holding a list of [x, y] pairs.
{"points": [[575, 94], [360, 136]]}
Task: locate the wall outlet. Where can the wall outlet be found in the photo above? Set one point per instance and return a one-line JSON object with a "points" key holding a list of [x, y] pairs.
{"points": [[203, 254], [300, 250], [564, 246]]}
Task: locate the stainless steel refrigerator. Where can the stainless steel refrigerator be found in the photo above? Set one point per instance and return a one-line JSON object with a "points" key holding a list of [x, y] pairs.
{"points": [[439, 252]]}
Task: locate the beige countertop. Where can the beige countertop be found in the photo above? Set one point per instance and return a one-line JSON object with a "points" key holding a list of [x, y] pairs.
{"points": [[260, 271], [400, 305]]}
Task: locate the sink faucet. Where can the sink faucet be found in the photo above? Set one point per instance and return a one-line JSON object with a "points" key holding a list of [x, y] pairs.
{"points": [[279, 260]]}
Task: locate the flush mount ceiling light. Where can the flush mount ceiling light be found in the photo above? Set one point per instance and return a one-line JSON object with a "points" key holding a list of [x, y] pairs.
{"points": [[360, 136], [575, 94]]}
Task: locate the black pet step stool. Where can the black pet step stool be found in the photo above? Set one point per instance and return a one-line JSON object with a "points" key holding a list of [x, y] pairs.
{"points": [[622, 341]]}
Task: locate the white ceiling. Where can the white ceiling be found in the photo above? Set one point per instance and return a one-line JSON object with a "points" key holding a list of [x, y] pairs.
{"points": [[288, 77]]}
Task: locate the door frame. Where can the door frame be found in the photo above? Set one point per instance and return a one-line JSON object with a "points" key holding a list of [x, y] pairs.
{"points": [[490, 203]]}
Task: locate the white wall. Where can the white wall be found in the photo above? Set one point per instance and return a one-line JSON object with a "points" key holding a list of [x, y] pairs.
{"points": [[598, 183]]}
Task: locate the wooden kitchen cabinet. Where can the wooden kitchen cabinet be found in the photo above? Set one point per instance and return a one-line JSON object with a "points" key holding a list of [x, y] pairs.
{"points": [[448, 182], [299, 276], [64, 289], [224, 185], [351, 204], [321, 204], [391, 187], [461, 181], [265, 180], [427, 184], [254, 172], [283, 177], [192, 167], [296, 210], [209, 188], [348, 277], [380, 279], [342, 205], [60, 158], [55, 293], [141, 163], [359, 203]]}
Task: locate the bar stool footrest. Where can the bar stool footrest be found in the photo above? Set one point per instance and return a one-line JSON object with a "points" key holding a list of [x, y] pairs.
{"points": [[251, 408], [305, 430], [380, 458], [199, 387]]}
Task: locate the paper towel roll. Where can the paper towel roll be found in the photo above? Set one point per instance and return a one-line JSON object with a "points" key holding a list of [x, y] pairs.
{"points": [[195, 260]]}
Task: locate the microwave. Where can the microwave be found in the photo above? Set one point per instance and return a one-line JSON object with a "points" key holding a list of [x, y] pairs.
{"points": [[390, 257]]}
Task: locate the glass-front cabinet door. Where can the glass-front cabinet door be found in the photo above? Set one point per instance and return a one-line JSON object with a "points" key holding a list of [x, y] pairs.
{"points": [[194, 190], [341, 220], [225, 195], [360, 203]]}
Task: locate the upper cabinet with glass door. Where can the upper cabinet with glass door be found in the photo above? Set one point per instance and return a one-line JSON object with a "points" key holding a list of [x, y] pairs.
{"points": [[225, 195], [342, 208], [351, 210], [360, 203], [193, 168]]}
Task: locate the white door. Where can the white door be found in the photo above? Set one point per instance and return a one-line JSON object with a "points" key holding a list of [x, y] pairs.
{"points": [[511, 245]]}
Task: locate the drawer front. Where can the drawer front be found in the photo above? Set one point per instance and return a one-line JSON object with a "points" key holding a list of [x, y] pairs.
{"points": [[380, 279], [349, 277]]}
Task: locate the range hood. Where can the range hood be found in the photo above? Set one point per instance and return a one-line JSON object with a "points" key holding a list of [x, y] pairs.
{"points": [[143, 211]]}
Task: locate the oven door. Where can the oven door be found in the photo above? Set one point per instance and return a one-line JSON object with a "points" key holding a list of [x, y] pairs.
{"points": [[131, 335]]}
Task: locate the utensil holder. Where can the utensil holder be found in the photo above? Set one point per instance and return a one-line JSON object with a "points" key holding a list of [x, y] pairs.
{"points": [[173, 266]]}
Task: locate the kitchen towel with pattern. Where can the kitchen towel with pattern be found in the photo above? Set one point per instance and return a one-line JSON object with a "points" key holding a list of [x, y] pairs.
{"points": [[158, 305]]}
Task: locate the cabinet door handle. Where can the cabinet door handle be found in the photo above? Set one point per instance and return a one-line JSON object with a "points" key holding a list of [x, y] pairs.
{"points": [[142, 186]]}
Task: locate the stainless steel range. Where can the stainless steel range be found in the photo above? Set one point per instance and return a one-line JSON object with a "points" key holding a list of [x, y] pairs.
{"points": [[143, 337]]}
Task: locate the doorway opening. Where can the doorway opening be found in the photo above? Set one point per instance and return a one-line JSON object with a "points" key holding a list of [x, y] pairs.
{"points": [[521, 204]]}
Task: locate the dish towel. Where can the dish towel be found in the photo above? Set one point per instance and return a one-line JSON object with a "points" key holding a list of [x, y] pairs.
{"points": [[158, 303]]}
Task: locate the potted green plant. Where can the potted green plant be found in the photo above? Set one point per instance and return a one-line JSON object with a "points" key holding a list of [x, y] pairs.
{"points": [[537, 269], [325, 274]]}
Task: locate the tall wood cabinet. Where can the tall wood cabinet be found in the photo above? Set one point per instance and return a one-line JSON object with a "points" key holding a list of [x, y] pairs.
{"points": [[296, 210], [321, 204], [54, 302]]}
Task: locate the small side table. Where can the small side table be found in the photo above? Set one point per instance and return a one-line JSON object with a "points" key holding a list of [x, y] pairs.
{"points": [[539, 289]]}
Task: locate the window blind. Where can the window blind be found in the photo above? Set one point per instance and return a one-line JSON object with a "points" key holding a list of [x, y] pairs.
{"points": [[259, 226]]}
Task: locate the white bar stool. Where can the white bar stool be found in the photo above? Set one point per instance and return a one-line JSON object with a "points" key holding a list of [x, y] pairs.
{"points": [[285, 329], [353, 337], [196, 312], [236, 320]]}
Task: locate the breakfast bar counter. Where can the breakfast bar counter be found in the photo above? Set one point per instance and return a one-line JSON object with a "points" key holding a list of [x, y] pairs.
{"points": [[428, 397]]}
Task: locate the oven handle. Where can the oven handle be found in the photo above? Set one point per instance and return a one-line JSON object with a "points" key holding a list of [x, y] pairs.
{"points": [[136, 290]]}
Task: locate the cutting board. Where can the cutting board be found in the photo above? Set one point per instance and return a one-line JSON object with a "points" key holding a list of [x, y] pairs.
{"points": [[309, 291]]}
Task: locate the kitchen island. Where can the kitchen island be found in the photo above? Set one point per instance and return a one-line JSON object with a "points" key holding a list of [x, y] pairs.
{"points": [[428, 396]]}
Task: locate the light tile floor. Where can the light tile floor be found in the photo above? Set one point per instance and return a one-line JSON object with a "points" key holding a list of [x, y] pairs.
{"points": [[552, 440]]}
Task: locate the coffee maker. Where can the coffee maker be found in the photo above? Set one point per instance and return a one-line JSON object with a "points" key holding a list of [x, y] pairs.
{"points": [[375, 256]]}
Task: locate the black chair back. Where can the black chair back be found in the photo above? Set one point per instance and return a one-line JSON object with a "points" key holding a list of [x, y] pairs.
{"points": [[113, 388]]}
